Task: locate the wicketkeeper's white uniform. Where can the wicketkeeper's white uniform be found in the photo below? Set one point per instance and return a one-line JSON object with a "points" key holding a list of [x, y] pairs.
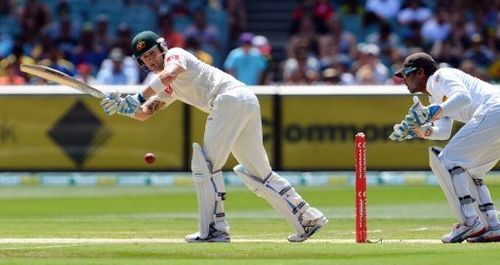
{"points": [[470, 154], [233, 125], [476, 146]]}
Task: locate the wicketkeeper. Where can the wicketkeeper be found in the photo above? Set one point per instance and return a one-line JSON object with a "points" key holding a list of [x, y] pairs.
{"points": [[473, 151], [233, 126]]}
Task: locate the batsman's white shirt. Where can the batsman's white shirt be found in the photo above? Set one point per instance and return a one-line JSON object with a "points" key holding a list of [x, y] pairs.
{"points": [[476, 146], [234, 120]]}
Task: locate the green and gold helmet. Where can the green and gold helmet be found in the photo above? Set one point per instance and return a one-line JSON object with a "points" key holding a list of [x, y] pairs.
{"points": [[144, 41]]}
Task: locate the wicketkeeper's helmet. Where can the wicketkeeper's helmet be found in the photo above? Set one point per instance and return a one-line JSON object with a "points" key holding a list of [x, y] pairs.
{"points": [[415, 61]]}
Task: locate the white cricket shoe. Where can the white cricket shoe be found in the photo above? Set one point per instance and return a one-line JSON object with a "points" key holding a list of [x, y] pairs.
{"points": [[491, 234], [216, 236], [462, 231], [310, 228]]}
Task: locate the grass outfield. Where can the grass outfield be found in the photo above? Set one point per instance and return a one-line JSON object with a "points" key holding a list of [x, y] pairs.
{"points": [[122, 225]]}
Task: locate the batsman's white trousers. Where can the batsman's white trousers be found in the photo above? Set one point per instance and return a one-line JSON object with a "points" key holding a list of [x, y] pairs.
{"points": [[234, 125], [476, 146]]}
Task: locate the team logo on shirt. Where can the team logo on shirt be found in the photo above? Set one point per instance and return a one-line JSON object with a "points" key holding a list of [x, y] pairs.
{"points": [[140, 45], [169, 90], [173, 58]]}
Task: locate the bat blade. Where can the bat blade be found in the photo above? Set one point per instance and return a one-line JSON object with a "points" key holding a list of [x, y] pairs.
{"points": [[60, 78]]}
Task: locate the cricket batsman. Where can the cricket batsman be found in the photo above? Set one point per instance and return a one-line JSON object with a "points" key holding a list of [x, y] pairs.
{"points": [[233, 126], [473, 151]]}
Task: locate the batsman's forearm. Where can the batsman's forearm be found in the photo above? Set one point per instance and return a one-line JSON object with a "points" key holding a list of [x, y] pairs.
{"points": [[142, 115], [148, 92]]}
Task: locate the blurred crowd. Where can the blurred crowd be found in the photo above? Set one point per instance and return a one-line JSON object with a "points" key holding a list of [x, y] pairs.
{"points": [[346, 42], [90, 39], [364, 42]]}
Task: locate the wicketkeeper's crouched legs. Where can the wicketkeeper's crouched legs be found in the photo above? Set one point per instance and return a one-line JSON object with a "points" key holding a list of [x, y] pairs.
{"points": [[282, 196], [486, 206], [211, 195]]}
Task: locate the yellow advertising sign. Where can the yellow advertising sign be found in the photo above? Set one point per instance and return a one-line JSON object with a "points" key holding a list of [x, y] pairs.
{"points": [[318, 133], [73, 133]]}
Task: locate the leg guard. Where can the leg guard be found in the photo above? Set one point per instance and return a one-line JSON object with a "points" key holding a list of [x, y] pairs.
{"points": [[211, 195], [284, 199], [487, 210], [445, 178]]}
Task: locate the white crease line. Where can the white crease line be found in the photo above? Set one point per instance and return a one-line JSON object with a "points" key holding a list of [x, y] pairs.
{"points": [[40, 247], [177, 241]]}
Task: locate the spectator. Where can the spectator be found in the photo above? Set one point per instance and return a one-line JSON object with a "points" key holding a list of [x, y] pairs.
{"points": [[437, 28], [344, 41], [366, 76], [207, 35], [330, 76], [381, 10], [17, 57], [237, 18], [123, 39], [55, 59], [6, 44], [396, 58], [479, 53], [369, 69], [301, 10], [476, 25], [84, 74], [447, 52], [384, 39], [343, 68], [262, 44], [302, 68], [193, 46], [495, 69], [42, 47], [415, 11], [12, 76], [115, 72], [88, 49], [34, 15], [102, 38], [412, 37], [65, 34], [246, 63], [321, 11], [172, 38], [469, 67], [351, 13], [305, 34]]}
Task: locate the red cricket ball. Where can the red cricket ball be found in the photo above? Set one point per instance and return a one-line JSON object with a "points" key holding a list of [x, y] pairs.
{"points": [[149, 158]]}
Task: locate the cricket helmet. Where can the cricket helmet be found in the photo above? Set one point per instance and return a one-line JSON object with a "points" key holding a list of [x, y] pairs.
{"points": [[145, 41]]}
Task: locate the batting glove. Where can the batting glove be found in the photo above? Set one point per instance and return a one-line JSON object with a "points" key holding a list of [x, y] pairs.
{"points": [[130, 104], [111, 102]]}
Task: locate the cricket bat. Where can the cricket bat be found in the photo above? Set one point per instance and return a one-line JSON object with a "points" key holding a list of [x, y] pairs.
{"points": [[60, 78]]}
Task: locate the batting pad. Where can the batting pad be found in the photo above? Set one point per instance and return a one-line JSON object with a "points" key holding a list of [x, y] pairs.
{"points": [[282, 196], [210, 193], [445, 181]]}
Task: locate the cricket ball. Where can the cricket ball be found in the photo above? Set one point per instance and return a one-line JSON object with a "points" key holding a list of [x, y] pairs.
{"points": [[149, 158]]}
